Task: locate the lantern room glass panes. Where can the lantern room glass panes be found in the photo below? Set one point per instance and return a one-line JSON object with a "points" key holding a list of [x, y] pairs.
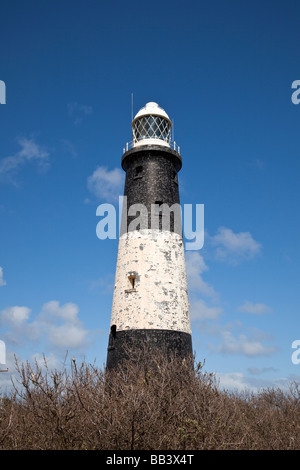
{"points": [[151, 127]]}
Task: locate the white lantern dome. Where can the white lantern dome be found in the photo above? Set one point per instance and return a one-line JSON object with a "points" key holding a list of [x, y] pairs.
{"points": [[151, 126]]}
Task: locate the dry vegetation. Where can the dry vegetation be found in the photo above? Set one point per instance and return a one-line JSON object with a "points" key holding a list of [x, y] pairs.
{"points": [[159, 407]]}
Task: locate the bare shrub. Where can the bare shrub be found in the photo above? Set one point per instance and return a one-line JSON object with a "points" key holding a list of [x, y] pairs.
{"points": [[152, 404]]}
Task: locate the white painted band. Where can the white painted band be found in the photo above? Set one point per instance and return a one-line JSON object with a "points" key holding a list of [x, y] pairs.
{"points": [[150, 284]]}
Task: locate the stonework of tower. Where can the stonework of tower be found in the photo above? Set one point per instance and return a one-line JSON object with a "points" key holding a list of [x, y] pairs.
{"points": [[150, 301]]}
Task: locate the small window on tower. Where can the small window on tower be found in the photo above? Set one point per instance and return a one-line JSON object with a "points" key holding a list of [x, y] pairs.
{"points": [[132, 281], [138, 172]]}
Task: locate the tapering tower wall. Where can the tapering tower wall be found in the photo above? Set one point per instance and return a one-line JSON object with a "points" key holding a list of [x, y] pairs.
{"points": [[150, 301]]}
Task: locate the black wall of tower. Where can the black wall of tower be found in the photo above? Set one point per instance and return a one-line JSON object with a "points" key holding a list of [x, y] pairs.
{"points": [[151, 177]]}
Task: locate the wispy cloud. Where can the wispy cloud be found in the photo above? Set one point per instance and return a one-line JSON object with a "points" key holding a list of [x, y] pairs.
{"points": [[61, 325], [256, 309], [237, 381], [250, 346], [104, 284], [234, 247], [14, 316], [261, 371], [14, 324], [195, 267], [56, 326], [106, 184], [30, 152], [2, 281], [199, 310], [69, 148], [78, 112], [198, 288]]}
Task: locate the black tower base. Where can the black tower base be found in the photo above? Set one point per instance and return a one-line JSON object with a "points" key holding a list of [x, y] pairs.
{"points": [[123, 344]]}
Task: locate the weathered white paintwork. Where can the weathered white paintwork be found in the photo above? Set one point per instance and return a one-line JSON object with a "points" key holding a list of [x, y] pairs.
{"points": [[159, 298]]}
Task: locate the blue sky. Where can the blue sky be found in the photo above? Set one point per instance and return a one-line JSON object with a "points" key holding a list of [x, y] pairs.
{"points": [[223, 72]]}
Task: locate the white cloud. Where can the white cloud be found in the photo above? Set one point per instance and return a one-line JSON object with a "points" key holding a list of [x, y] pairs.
{"points": [[234, 247], [30, 152], [61, 325], [239, 382], [67, 312], [56, 326], [106, 184], [195, 267], [234, 381], [14, 316], [199, 310], [67, 336], [250, 347], [2, 281], [257, 309]]}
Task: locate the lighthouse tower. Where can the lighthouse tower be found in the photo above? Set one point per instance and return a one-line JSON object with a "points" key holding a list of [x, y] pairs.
{"points": [[150, 301]]}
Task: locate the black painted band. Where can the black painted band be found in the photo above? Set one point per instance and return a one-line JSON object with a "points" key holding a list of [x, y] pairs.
{"points": [[168, 342], [151, 179]]}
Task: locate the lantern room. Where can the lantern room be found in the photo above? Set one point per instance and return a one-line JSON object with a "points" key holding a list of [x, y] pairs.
{"points": [[151, 126]]}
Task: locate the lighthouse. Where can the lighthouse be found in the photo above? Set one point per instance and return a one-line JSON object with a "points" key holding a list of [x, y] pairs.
{"points": [[150, 301]]}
